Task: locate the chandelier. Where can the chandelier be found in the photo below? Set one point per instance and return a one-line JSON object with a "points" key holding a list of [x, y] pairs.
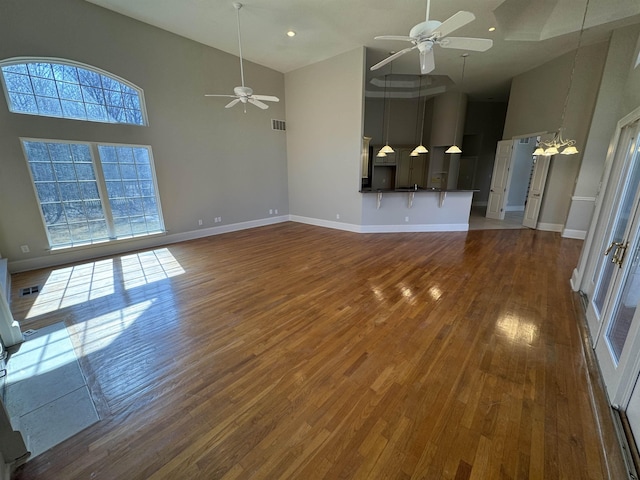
{"points": [[568, 146]]}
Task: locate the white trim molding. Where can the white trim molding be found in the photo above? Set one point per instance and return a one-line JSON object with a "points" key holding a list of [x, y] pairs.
{"points": [[550, 227], [350, 227], [577, 234]]}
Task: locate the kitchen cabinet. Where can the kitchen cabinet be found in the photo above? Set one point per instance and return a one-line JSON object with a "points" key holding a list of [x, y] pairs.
{"points": [[410, 171], [390, 159]]}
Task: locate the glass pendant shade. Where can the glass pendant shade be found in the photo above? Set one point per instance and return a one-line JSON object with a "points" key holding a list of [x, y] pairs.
{"points": [[538, 151], [414, 153], [386, 149], [453, 149], [421, 149], [381, 154], [551, 151], [571, 150]]}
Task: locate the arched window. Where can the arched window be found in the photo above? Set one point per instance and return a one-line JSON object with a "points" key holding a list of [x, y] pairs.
{"points": [[65, 89]]}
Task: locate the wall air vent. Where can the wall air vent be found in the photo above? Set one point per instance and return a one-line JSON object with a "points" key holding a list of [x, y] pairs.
{"points": [[278, 125], [29, 291]]}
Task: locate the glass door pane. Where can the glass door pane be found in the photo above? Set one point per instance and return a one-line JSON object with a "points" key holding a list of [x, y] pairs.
{"points": [[626, 306], [606, 269]]}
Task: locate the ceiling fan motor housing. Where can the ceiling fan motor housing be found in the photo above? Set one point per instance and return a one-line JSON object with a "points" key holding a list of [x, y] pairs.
{"points": [[424, 30], [243, 91]]}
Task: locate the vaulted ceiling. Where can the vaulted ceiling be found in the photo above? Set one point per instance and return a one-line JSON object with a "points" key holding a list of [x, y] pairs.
{"points": [[528, 32]]}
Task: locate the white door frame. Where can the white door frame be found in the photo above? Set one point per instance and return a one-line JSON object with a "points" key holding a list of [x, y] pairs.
{"points": [[582, 278], [500, 179], [499, 210]]}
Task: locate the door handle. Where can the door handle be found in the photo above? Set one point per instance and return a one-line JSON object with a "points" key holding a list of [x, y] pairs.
{"points": [[610, 247], [618, 255]]}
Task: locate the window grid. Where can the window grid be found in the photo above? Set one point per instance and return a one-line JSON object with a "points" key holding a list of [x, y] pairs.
{"points": [[72, 200], [67, 189], [129, 180], [70, 91]]}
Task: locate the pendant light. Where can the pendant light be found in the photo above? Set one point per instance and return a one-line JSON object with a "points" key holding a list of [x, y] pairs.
{"points": [[568, 146], [386, 149], [420, 148], [454, 148], [381, 153]]}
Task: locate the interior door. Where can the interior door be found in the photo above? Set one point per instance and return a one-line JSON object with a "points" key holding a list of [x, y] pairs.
{"points": [[626, 191], [500, 180], [536, 190]]}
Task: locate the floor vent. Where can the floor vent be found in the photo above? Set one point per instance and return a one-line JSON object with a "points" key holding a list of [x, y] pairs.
{"points": [[31, 331], [278, 125], [29, 291]]}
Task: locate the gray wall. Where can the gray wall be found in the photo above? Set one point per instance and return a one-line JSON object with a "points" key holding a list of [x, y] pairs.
{"points": [[209, 161], [536, 103], [325, 106], [619, 94]]}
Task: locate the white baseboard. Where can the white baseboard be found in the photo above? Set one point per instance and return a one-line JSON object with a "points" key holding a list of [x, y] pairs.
{"points": [[60, 257], [318, 222], [436, 227], [577, 234], [550, 227], [70, 256], [349, 227]]}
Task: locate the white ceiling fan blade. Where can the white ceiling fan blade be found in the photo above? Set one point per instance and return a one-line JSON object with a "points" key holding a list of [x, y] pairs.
{"points": [[266, 98], [232, 103], [427, 62], [212, 95], [392, 57], [394, 37], [453, 23], [464, 43], [258, 103]]}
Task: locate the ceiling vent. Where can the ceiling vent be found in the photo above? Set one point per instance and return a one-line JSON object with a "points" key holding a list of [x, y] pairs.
{"points": [[278, 125]]}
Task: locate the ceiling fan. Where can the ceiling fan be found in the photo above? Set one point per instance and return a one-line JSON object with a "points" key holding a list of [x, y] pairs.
{"points": [[244, 94], [432, 32]]}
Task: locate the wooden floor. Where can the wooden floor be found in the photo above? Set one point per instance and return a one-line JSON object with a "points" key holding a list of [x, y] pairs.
{"points": [[293, 351]]}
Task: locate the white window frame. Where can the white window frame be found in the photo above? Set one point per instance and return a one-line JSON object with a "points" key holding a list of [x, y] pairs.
{"points": [[62, 61], [102, 191]]}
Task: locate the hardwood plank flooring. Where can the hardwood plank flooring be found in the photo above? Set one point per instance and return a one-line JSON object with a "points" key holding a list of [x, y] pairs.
{"points": [[292, 351]]}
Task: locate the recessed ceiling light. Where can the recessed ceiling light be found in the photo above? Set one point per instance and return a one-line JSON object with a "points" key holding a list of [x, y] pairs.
{"points": [[492, 29], [291, 33]]}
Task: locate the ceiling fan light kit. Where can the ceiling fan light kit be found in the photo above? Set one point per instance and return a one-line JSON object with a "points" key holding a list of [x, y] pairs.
{"points": [[244, 94]]}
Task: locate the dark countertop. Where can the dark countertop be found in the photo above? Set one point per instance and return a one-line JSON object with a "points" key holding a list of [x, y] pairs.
{"points": [[409, 190]]}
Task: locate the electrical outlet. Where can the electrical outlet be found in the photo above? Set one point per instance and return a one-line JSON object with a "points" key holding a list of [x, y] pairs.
{"points": [[276, 211], [406, 219], [337, 216], [24, 248], [200, 222], [271, 211]]}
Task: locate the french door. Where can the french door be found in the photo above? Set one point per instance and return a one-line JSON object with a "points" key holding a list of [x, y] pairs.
{"points": [[625, 182], [613, 314]]}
